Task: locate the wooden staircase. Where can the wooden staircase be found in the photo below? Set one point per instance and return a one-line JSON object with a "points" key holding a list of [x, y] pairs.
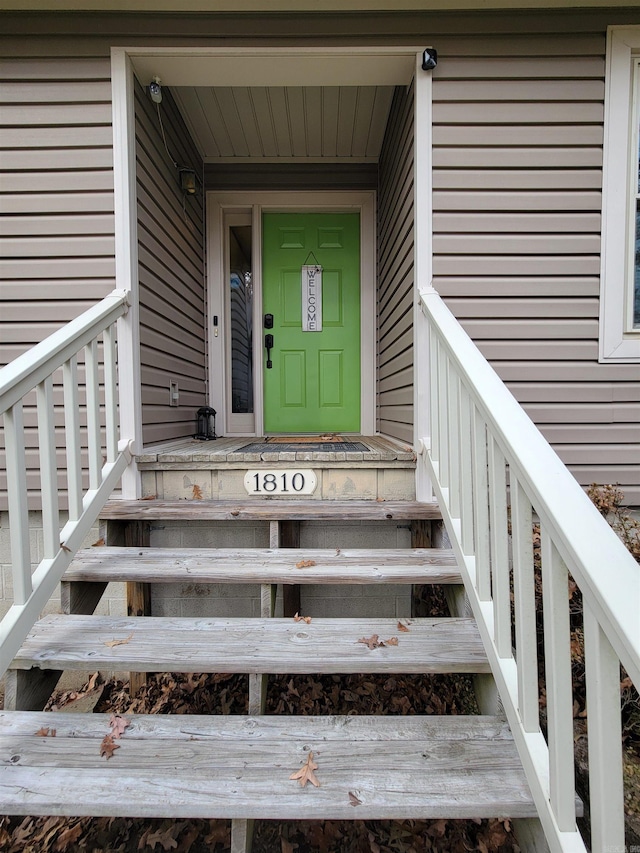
{"points": [[240, 767]]}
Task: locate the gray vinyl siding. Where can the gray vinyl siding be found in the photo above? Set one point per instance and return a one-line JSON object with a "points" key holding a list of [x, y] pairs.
{"points": [[518, 130], [171, 272], [56, 195], [517, 203], [394, 402], [56, 201]]}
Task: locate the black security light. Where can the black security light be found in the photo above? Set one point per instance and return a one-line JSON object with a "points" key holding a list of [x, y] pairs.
{"points": [[429, 59]]}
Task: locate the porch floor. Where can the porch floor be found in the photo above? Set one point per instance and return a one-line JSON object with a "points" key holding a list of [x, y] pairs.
{"points": [[230, 450]]}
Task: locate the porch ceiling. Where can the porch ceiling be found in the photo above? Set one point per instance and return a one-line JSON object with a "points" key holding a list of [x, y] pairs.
{"points": [[291, 103], [286, 122]]}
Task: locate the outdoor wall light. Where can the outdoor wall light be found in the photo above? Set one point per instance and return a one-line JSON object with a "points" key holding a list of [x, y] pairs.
{"points": [[206, 424], [188, 181], [429, 59]]}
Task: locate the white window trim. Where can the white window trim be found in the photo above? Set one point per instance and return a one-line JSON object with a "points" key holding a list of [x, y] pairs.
{"points": [[617, 344]]}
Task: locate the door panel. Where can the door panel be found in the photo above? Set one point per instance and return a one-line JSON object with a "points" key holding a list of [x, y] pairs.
{"points": [[314, 384]]}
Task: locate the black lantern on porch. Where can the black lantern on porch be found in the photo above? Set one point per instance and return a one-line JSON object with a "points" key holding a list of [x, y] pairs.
{"points": [[206, 424]]}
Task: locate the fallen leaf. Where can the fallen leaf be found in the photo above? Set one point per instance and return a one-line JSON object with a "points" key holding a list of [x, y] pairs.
{"points": [[303, 564], [108, 747], [197, 492], [98, 543], [118, 725], [158, 836], [65, 838], [402, 627], [112, 643], [355, 801], [298, 618], [338, 552], [371, 642], [287, 846], [43, 732], [149, 498], [93, 681], [306, 774]]}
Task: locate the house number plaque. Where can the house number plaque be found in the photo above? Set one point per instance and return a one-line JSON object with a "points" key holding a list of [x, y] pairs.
{"points": [[311, 298], [290, 481]]}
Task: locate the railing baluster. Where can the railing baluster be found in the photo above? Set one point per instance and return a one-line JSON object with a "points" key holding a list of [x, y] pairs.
{"points": [[72, 438], [454, 442], [481, 506], [110, 393], [93, 414], [48, 470], [466, 479], [557, 655], [434, 400], [443, 418], [18, 506], [606, 790], [499, 549], [525, 606]]}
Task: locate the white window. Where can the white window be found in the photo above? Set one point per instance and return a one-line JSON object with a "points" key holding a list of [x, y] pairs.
{"points": [[620, 282]]}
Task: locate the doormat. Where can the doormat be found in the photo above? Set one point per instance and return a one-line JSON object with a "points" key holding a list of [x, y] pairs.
{"points": [[294, 446], [302, 439]]}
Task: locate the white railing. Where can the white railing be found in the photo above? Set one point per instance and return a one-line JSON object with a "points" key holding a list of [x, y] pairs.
{"points": [[494, 474], [34, 371]]}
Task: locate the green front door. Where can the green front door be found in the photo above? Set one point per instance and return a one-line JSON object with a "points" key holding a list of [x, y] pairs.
{"points": [[313, 384]]}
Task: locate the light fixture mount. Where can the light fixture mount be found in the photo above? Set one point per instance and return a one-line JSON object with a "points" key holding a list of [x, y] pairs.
{"points": [[155, 90]]}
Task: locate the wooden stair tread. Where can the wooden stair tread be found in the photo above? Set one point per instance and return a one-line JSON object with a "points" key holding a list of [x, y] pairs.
{"points": [[239, 767], [263, 565], [180, 644], [255, 509]]}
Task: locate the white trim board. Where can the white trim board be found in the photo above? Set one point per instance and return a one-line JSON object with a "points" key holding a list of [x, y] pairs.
{"points": [[257, 202], [126, 258], [617, 344], [275, 66]]}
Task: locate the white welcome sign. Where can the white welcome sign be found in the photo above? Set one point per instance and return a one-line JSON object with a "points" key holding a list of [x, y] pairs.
{"points": [[311, 298]]}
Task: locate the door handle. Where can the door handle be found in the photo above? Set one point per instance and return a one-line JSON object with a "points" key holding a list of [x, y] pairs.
{"points": [[268, 344]]}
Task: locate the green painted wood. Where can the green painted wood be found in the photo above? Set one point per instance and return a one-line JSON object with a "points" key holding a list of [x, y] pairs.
{"points": [[314, 384]]}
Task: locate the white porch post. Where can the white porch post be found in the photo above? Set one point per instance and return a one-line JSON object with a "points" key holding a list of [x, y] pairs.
{"points": [[125, 199], [423, 263]]}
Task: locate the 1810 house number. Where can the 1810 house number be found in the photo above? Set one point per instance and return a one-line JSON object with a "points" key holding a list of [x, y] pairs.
{"points": [[280, 482]]}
